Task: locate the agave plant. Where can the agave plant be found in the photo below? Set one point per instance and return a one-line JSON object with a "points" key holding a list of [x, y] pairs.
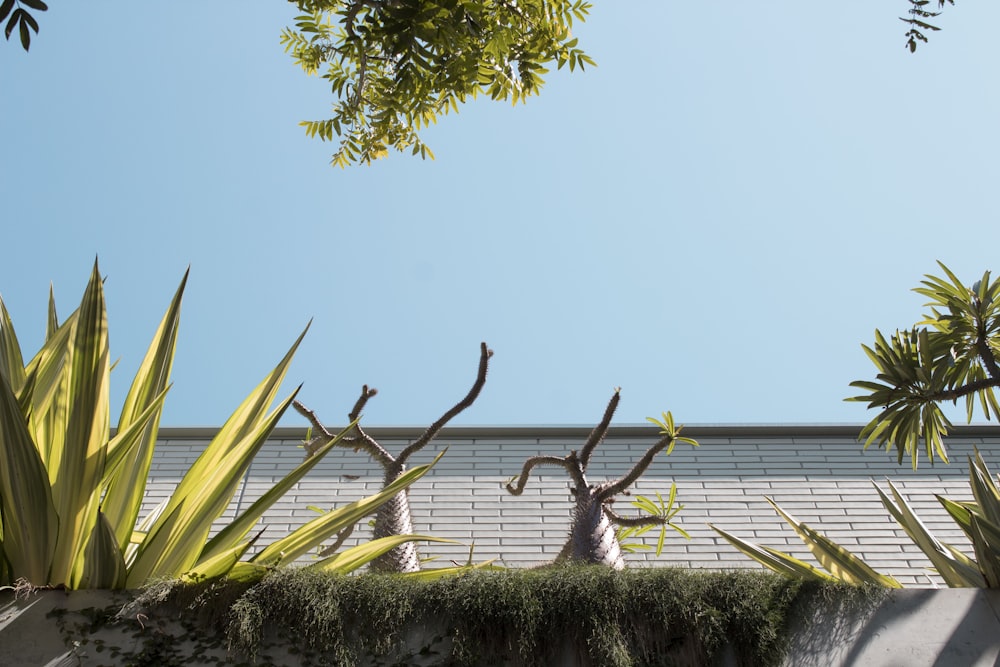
{"points": [[592, 536], [839, 563], [979, 520], [70, 492], [393, 518]]}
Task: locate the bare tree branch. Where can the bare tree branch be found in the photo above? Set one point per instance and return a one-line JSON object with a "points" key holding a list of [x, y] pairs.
{"points": [[433, 429], [522, 479], [614, 488], [597, 435], [635, 521], [341, 538]]}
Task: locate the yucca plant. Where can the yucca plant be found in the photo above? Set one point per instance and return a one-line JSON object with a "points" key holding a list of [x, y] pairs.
{"points": [[593, 536], [70, 492], [394, 517], [978, 519]]}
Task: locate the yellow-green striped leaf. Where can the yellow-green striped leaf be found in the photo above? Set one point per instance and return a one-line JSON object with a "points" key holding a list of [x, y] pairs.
{"points": [[126, 487], [312, 534]]}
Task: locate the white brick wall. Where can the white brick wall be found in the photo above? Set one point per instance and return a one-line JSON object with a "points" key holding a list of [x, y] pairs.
{"points": [[817, 473]]}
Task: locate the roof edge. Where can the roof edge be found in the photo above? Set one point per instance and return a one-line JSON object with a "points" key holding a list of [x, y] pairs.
{"points": [[581, 432]]}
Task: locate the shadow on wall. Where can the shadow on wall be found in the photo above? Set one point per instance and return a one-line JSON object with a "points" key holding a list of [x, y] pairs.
{"points": [[908, 627]]}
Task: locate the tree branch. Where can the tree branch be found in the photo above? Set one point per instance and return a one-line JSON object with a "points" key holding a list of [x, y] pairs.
{"points": [[316, 441], [636, 521], [341, 538], [601, 430], [433, 429], [614, 488], [365, 441], [522, 479], [964, 390], [986, 355]]}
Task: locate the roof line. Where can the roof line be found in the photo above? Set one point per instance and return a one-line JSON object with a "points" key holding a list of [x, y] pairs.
{"points": [[581, 432]]}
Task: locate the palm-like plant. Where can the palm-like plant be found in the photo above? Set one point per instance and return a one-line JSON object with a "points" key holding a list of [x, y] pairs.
{"points": [[953, 353], [70, 492], [593, 534], [393, 518]]}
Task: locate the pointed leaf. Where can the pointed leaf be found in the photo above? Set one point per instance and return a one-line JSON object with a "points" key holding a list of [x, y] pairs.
{"points": [[126, 486], [11, 361], [775, 560], [30, 523], [102, 565], [76, 495], [237, 529], [351, 559], [313, 533]]}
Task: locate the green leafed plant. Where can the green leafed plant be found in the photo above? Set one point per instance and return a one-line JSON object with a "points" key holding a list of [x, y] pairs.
{"points": [[664, 510], [70, 492], [838, 563], [953, 353], [979, 519], [394, 67]]}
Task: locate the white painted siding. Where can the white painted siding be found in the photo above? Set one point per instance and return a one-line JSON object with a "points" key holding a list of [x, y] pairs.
{"points": [[818, 474]]}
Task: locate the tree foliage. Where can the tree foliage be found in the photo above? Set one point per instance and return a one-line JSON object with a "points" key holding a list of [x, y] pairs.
{"points": [[953, 353], [18, 17], [396, 65], [918, 21]]}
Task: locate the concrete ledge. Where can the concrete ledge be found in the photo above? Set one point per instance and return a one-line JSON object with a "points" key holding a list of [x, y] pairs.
{"points": [[909, 628], [956, 627]]}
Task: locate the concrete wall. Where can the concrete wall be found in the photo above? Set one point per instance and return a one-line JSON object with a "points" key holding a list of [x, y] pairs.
{"points": [[911, 628], [818, 473]]}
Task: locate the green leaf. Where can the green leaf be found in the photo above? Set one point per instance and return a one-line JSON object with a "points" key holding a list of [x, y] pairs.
{"points": [[956, 572], [126, 487], [837, 560], [30, 523], [351, 559], [102, 565], [11, 361], [83, 417], [315, 532], [208, 487], [777, 561], [5, 8], [241, 525]]}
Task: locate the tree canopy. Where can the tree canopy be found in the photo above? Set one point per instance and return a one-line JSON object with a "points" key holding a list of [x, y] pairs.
{"points": [[953, 353], [395, 66]]}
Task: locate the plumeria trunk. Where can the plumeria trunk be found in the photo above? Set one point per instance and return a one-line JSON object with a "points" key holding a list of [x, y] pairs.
{"points": [[394, 518], [593, 536]]}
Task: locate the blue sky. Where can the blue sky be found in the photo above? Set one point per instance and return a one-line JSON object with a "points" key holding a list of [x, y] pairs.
{"points": [[714, 219]]}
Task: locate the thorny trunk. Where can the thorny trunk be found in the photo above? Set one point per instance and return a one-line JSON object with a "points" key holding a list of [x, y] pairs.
{"points": [[592, 538], [393, 518]]}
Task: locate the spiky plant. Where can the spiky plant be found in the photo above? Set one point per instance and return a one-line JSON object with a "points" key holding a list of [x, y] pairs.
{"points": [[593, 531], [394, 517]]}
